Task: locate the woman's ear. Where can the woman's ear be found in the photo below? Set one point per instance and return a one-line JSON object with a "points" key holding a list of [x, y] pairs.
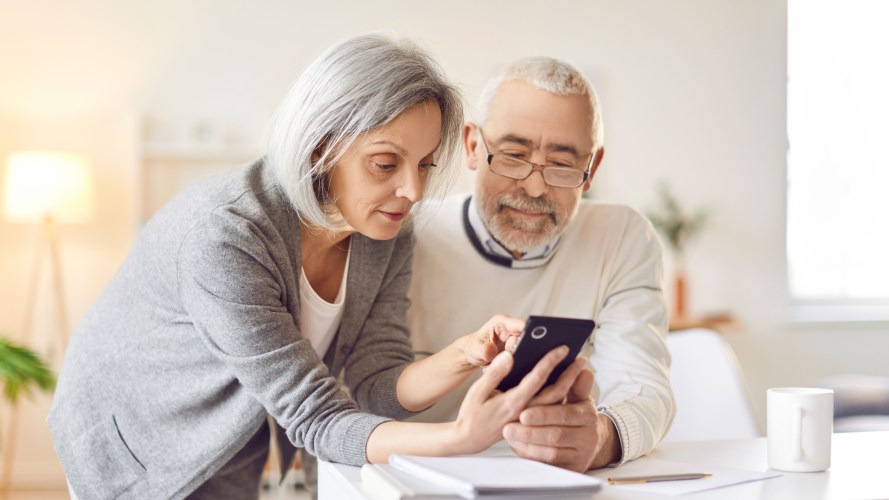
{"points": [[318, 152]]}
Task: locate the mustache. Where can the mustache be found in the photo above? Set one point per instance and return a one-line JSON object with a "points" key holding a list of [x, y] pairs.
{"points": [[527, 204]]}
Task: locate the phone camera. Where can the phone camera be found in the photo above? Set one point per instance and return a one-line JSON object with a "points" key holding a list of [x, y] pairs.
{"points": [[538, 332]]}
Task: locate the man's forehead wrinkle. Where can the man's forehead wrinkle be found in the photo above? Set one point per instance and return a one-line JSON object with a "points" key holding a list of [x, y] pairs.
{"points": [[528, 143]]}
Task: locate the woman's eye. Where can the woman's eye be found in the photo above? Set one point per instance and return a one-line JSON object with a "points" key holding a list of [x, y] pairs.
{"points": [[428, 165], [385, 166]]}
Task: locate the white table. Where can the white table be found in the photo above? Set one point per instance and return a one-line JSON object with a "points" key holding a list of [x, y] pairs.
{"points": [[859, 470]]}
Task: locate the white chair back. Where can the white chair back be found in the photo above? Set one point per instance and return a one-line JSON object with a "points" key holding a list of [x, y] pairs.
{"points": [[711, 397]]}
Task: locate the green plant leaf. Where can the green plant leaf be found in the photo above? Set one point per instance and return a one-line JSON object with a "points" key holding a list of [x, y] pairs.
{"points": [[22, 370], [671, 220]]}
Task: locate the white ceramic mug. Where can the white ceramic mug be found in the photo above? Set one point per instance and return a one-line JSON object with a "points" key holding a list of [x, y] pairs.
{"points": [[799, 428]]}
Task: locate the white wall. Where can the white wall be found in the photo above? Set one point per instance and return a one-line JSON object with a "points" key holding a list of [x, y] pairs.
{"points": [[693, 92]]}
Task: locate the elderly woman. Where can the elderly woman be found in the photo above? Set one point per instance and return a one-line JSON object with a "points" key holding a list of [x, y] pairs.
{"points": [[247, 294]]}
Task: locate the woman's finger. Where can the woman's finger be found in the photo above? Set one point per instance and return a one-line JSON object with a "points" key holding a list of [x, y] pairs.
{"points": [[481, 353], [506, 327], [534, 380], [481, 390], [557, 392]]}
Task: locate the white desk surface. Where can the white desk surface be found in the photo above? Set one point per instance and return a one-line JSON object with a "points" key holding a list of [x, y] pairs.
{"points": [[859, 470]]}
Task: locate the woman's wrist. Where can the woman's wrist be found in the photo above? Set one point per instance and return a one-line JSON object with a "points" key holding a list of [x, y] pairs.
{"points": [[460, 354]]}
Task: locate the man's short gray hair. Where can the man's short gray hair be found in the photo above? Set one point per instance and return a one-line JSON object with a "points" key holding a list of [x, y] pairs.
{"points": [[356, 86], [549, 74]]}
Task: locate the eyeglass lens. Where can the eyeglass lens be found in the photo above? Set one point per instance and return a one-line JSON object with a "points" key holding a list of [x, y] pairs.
{"points": [[554, 176]]}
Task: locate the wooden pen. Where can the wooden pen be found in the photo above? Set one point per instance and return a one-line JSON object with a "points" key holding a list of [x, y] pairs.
{"points": [[654, 479]]}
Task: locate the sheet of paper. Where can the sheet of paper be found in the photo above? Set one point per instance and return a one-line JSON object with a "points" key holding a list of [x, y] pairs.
{"points": [[721, 478]]}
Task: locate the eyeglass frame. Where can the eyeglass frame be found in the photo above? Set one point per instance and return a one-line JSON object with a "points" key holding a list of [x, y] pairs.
{"points": [[534, 166]]}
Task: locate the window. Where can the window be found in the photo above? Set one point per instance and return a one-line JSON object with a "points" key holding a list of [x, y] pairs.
{"points": [[838, 161]]}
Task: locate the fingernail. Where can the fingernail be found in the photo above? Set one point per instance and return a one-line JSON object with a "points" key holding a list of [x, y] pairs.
{"points": [[508, 432], [563, 349], [500, 358]]}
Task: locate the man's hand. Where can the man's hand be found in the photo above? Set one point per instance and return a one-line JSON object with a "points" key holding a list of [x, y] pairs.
{"points": [[572, 435]]}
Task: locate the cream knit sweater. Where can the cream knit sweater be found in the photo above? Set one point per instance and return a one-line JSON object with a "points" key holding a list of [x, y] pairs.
{"points": [[607, 266]]}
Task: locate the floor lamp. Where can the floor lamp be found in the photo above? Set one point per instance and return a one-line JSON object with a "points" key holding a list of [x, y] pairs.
{"points": [[48, 188]]}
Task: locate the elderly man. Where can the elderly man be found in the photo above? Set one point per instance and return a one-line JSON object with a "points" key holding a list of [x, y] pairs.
{"points": [[526, 244]]}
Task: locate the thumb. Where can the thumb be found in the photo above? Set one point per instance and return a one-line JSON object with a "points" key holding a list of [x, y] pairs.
{"points": [[582, 387], [481, 353]]}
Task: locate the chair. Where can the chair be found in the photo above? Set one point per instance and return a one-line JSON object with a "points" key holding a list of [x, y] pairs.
{"points": [[860, 402], [711, 398]]}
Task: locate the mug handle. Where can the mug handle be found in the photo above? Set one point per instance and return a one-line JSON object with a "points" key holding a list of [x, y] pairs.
{"points": [[796, 434]]}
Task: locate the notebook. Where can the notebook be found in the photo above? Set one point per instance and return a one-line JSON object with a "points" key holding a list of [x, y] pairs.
{"points": [[488, 477], [383, 482]]}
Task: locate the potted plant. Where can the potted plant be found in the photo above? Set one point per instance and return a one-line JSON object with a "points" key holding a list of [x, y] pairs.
{"points": [[678, 227], [21, 370]]}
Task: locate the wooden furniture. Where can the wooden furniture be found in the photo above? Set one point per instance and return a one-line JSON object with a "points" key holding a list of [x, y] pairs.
{"points": [[721, 322]]}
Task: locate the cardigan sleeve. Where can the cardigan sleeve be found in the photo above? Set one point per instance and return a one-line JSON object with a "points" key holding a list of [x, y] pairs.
{"points": [[233, 291], [383, 349]]}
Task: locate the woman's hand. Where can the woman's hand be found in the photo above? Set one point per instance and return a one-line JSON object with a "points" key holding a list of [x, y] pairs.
{"points": [[485, 410], [483, 415], [499, 334]]}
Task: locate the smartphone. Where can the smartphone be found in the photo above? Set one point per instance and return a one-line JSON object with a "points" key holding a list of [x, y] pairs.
{"points": [[541, 335]]}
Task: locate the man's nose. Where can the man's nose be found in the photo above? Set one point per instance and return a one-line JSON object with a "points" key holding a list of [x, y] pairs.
{"points": [[534, 184]]}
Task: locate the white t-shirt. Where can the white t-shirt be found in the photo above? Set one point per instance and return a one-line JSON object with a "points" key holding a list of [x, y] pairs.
{"points": [[319, 320]]}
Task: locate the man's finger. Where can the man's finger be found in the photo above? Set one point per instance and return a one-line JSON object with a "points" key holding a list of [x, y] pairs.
{"points": [[562, 457], [582, 387], [549, 435], [569, 415]]}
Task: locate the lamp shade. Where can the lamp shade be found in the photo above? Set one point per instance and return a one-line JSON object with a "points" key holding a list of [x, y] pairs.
{"points": [[41, 184]]}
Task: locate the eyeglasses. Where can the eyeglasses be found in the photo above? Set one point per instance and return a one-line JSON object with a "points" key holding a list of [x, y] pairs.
{"points": [[519, 169]]}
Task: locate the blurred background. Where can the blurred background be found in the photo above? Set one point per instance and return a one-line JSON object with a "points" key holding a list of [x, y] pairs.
{"points": [[155, 95]]}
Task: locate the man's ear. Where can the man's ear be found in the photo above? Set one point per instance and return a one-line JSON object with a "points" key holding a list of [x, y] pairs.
{"points": [[597, 159], [470, 142]]}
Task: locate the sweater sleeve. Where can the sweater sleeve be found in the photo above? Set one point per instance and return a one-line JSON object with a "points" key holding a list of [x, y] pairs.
{"points": [[630, 356], [234, 293]]}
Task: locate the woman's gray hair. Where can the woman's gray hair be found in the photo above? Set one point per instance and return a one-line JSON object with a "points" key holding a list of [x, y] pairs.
{"points": [[549, 74], [356, 86]]}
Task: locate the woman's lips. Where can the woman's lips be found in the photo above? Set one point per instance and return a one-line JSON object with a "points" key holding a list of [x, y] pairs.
{"points": [[393, 216]]}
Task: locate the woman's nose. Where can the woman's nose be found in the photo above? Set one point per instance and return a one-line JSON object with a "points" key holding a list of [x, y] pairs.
{"points": [[409, 186]]}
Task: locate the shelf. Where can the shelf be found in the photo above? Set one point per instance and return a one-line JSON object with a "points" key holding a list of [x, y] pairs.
{"points": [[167, 168], [189, 152]]}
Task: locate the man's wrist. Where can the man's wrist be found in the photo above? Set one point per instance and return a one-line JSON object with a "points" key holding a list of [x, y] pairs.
{"points": [[608, 448]]}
